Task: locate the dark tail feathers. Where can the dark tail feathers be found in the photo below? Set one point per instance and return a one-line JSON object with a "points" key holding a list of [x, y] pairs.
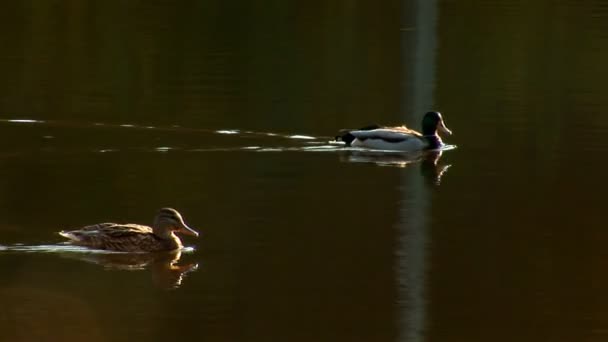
{"points": [[348, 138]]}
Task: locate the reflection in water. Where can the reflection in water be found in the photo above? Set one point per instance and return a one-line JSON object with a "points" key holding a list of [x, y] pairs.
{"points": [[419, 48], [166, 273], [430, 168]]}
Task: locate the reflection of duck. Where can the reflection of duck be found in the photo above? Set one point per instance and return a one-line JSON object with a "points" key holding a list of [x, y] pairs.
{"points": [[398, 138], [133, 237], [165, 271], [430, 168]]}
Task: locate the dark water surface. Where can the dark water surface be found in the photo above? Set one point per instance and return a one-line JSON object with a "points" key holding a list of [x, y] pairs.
{"points": [[111, 110]]}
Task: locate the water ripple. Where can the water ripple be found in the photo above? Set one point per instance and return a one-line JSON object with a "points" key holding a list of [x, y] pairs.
{"points": [[227, 131], [22, 121], [263, 141], [62, 248]]}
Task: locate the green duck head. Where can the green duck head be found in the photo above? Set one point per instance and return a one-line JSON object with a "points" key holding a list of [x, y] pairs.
{"points": [[432, 122]]}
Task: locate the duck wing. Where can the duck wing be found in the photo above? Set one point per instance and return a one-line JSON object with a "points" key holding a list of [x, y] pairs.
{"points": [[344, 134], [110, 235], [392, 134]]}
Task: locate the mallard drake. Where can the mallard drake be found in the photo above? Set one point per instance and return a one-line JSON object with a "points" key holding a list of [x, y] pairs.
{"points": [[398, 138], [134, 237]]}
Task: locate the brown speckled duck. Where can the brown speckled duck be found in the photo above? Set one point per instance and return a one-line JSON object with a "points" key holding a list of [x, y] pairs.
{"points": [[134, 237]]}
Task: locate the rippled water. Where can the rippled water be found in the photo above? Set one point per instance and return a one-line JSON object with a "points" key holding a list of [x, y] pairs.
{"points": [[226, 112]]}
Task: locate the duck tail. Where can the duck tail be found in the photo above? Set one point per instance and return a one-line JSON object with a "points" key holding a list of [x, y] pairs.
{"points": [[346, 136], [70, 235]]}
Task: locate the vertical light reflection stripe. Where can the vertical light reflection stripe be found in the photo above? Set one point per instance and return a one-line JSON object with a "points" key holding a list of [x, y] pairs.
{"points": [[413, 245]]}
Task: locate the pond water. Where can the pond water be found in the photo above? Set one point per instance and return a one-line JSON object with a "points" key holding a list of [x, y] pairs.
{"points": [[224, 111]]}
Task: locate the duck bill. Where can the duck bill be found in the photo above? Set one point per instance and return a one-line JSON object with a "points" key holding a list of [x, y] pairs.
{"points": [[188, 231], [442, 128]]}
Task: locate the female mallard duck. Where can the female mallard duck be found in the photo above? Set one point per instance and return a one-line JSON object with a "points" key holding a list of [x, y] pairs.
{"points": [[134, 237], [398, 138]]}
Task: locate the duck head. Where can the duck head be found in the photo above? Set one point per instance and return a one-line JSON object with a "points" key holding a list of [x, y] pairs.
{"points": [[169, 221], [433, 122]]}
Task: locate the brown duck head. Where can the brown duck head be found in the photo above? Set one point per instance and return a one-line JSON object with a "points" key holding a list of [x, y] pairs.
{"points": [[169, 221]]}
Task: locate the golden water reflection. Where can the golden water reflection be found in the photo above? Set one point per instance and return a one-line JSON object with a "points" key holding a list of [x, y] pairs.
{"points": [[166, 272]]}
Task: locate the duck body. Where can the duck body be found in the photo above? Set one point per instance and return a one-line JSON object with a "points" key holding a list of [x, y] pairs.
{"points": [[133, 237], [121, 237], [398, 138], [389, 138]]}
